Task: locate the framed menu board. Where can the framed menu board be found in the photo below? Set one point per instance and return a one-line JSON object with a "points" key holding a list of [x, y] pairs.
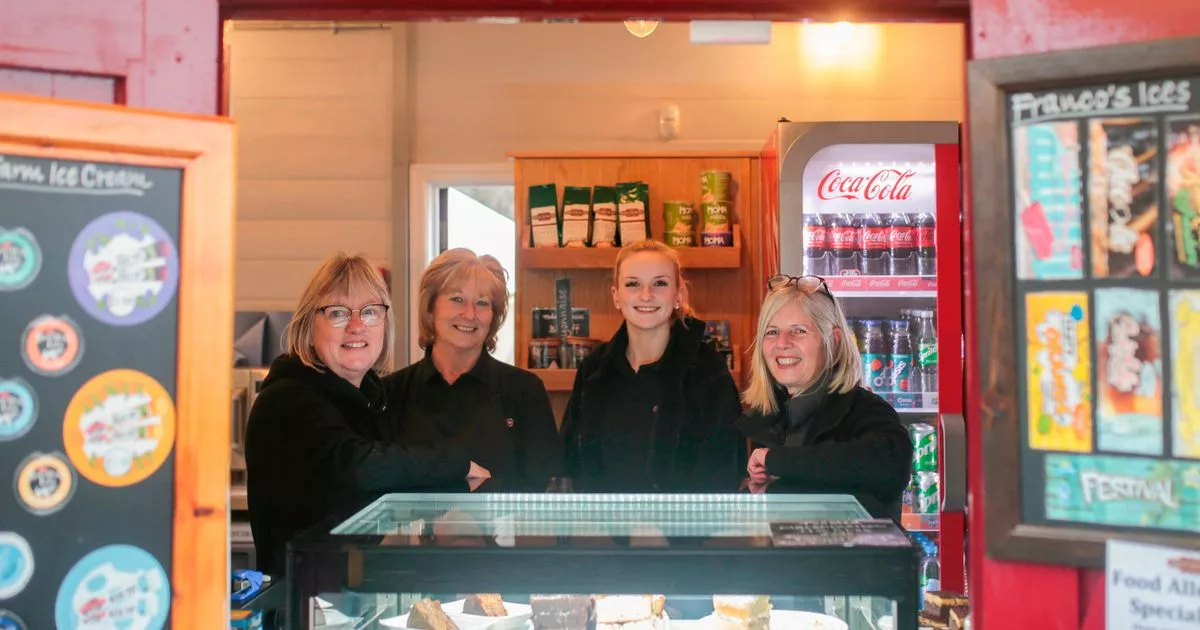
{"points": [[1086, 216], [116, 258]]}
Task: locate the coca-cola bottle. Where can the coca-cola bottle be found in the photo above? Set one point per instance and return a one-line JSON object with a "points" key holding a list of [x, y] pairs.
{"points": [[816, 245], [901, 241], [842, 236], [926, 225], [873, 251]]}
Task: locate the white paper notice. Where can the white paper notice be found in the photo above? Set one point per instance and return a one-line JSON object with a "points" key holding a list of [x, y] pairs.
{"points": [[1152, 588]]}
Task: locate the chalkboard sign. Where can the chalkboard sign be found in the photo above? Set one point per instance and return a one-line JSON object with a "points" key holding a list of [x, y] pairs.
{"points": [[1090, 346], [98, 400]]}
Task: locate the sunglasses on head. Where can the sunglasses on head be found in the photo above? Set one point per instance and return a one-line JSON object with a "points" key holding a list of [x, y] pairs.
{"points": [[808, 284]]}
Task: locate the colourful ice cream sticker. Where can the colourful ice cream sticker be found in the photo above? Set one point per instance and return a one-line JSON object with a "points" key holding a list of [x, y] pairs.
{"points": [[18, 408], [1123, 491], [1129, 412], [20, 259], [1185, 371], [118, 586], [123, 268], [119, 428], [52, 345], [16, 564], [44, 483], [1049, 201], [1058, 372]]}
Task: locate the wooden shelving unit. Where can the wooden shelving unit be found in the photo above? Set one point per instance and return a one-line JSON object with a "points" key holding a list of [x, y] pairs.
{"points": [[721, 280]]}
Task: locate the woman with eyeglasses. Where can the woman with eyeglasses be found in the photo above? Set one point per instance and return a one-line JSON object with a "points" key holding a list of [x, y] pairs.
{"points": [[815, 428], [653, 409], [459, 394], [318, 440]]}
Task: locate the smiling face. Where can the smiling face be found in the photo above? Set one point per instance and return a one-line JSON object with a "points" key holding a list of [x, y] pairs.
{"points": [[647, 290], [352, 350], [792, 348], [462, 317]]}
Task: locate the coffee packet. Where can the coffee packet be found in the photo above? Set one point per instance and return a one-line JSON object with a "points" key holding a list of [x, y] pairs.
{"points": [[545, 223], [576, 216]]}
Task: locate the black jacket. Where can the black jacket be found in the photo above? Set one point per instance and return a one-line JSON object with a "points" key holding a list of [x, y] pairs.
{"points": [[498, 413], [696, 445], [316, 445], [855, 445]]}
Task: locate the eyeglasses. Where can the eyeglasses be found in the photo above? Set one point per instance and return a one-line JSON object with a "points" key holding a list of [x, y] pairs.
{"points": [[338, 315], [808, 284]]}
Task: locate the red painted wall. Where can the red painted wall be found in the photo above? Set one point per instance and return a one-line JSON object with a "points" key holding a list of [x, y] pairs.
{"points": [[159, 54], [1007, 595]]}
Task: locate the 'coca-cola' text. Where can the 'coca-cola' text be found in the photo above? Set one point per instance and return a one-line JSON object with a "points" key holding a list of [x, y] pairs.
{"points": [[888, 184]]}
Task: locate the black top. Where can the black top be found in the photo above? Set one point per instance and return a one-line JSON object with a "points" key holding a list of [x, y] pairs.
{"points": [[853, 444], [670, 427], [499, 414], [317, 445]]}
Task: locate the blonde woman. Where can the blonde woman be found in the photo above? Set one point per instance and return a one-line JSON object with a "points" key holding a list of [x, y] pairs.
{"points": [[816, 428], [318, 441], [458, 394], [653, 409]]}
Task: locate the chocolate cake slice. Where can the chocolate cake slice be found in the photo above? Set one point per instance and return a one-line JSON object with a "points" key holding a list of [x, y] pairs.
{"points": [[485, 604], [939, 603], [427, 614], [562, 612]]}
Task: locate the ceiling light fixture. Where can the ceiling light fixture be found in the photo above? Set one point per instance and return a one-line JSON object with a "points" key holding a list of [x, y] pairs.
{"points": [[640, 27]]}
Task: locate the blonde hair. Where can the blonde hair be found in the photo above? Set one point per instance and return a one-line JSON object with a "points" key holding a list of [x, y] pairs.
{"points": [[453, 269], [338, 275], [660, 248], [842, 361]]}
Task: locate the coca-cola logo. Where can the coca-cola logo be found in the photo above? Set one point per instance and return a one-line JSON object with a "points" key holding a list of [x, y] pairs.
{"points": [[880, 284], [925, 237], [901, 237], [842, 238], [814, 236], [875, 238], [888, 184], [907, 284]]}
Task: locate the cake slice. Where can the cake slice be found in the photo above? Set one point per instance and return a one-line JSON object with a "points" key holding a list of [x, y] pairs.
{"points": [[427, 614], [630, 612], [939, 603], [958, 618], [485, 604], [925, 620], [562, 612], [742, 612]]}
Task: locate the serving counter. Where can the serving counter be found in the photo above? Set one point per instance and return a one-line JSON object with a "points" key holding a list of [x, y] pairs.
{"points": [[821, 561]]}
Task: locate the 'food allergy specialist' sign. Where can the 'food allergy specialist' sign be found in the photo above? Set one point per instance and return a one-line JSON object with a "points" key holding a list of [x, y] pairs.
{"points": [[1152, 588]]}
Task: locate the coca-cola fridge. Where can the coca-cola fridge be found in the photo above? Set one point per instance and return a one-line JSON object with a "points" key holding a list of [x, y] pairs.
{"points": [[874, 208]]}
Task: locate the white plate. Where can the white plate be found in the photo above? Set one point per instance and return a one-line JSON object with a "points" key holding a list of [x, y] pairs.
{"points": [[517, 615], [335, 620], [453, 610], [795, 620]]}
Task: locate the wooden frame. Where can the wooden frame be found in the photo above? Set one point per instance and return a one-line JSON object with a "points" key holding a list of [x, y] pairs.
{"points": [[203, 148], [989, 83]]}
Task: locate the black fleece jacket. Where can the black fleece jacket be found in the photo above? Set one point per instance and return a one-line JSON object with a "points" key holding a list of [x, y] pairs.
{"points": [[317, 445], [855, 444]]}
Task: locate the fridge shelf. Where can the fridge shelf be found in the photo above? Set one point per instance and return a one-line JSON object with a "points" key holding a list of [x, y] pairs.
{"points": [[926, 402], [883, 286]]}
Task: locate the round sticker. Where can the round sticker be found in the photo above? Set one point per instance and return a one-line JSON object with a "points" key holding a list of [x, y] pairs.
{"points": [[118, 586], [20, 259], [52, 346], [18, 408], [10, 621], [119, 428], [16, 564], [44, 483], [123, 268]]}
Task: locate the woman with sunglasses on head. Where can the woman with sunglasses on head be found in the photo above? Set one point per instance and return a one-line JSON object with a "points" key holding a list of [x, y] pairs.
{"points": [[815, 428], [460, 395], [318, 440], [653, 409]]}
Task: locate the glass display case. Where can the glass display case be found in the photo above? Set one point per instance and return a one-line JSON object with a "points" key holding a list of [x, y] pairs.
{"points": [[631, 562]]}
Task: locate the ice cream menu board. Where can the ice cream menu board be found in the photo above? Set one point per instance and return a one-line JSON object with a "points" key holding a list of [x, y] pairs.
{"points": [[89, 270], [1106, 189]]}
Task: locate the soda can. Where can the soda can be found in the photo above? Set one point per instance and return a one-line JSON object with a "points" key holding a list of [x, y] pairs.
{"points": [[927, 493], [924, 439]]}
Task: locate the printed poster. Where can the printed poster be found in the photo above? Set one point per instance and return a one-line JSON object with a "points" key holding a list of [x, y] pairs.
{"points": [[1123, 491], [1185, 370], [1048, 182], [1129, 417], [1058, 369], [1123, 196], [1183, 194]]}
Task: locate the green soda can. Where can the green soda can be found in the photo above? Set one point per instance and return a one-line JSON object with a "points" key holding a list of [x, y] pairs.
{"points": [[925, 456]]}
